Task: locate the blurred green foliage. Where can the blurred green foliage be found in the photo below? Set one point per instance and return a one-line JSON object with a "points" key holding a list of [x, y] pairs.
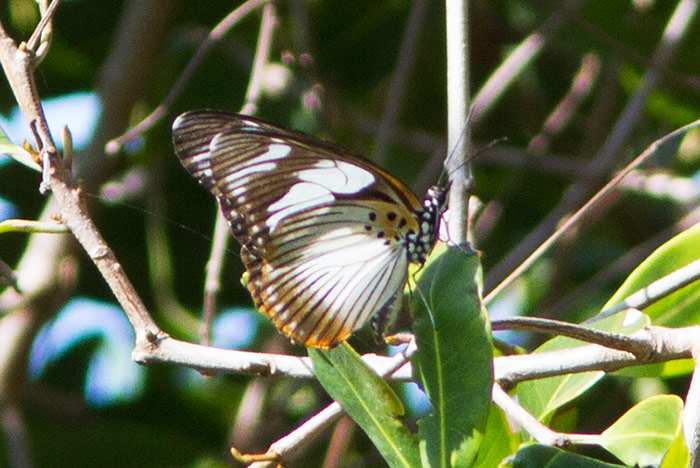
{"points": [[181, 419]]}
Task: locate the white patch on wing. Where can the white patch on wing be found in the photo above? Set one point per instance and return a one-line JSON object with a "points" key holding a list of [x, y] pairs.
{"points": [[338, 176], [276, 151], [299, 198], [262, 163], [354, 275], [317, 186], [340, 248], [335, 233], [241, 176]]}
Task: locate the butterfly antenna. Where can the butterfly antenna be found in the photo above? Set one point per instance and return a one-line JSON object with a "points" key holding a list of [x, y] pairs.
{"points": [[449, 157], [156, 215], [471, 158]]}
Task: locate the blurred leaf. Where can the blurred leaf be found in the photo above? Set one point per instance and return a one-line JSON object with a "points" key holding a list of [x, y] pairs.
{"points": [[542, 397], [454, 361], [17, 153], [683, 306], [667, 369], [644, 434], [663, 106], [541, 456], [369, 401], [677, 454], [23, 225]]}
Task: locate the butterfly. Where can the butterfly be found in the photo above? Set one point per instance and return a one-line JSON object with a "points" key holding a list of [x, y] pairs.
{"points": [[326, 237]]}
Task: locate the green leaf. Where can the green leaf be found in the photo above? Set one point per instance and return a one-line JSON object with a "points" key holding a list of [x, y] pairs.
{"points": [[499, 442], [369, 401], [415, 271], [542, 397], [454, 361], [542, 456], [683, 306], [676, 310], [644, 434], [17, 153], [677, 454]]}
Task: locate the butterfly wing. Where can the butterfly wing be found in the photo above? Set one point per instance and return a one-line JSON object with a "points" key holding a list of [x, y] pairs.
{"points": [[322, 232]]}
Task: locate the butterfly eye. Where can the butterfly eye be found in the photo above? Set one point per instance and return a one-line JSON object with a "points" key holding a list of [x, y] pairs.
{"points": [[326, 236]]}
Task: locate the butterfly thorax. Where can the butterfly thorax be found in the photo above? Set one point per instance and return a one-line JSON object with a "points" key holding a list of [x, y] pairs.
{"points": [[419, 244]]}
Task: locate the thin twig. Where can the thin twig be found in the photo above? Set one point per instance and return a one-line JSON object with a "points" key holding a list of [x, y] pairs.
{"points": [[246, 426], [399, 79], [561, 116], [154, 117], [212, 281], [623, 264], [285, 448], [660, 184], [222, 233], [655, 291], [24, 225], [16, 440], [518, 61], [578, 216], [340, 444], [527, 421], [682, 17], [262, 52]]}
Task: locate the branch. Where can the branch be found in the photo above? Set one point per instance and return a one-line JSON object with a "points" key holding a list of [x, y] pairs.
{"points": [[663, 344], [458, 133], [555, 327], [18, 65], [14, 429], [518, 61]]}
